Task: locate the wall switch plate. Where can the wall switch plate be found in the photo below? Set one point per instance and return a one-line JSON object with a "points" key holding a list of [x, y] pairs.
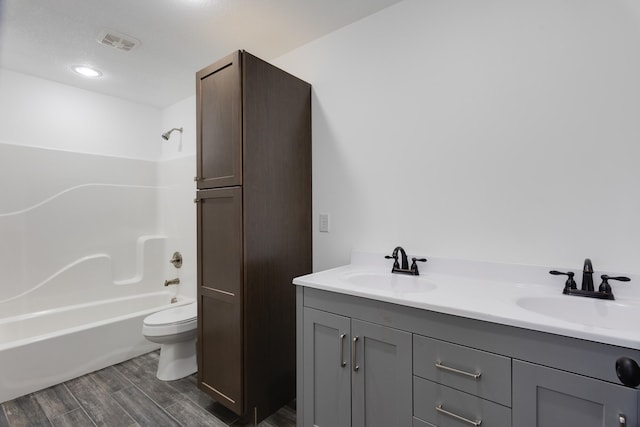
{"points": [[324, 223]]}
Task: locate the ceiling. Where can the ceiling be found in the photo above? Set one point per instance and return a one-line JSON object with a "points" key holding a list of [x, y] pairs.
{"points": [[45, 38]]}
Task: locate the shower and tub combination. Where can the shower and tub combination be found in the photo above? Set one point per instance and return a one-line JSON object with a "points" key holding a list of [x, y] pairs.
{"points": [[42, 345], [83, 256]]}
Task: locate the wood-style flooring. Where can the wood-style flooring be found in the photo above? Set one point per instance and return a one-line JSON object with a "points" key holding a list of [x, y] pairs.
{"points": [[127, 394]]}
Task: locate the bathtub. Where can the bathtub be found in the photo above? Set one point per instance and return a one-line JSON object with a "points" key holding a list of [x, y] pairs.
{"points": [[40, 349]]}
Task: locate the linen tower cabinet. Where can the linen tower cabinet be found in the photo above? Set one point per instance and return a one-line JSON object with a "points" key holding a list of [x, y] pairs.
{"points": [[253, 228]]}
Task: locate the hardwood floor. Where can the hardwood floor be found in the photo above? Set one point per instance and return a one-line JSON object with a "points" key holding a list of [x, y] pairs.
{"points": [[127, 394]]}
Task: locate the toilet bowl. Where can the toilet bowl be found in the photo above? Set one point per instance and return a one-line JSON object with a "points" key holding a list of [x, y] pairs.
{"points": [[175, 329]]}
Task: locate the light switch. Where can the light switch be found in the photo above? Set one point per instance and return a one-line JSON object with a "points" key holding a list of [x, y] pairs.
{"points": [[324, 223]]}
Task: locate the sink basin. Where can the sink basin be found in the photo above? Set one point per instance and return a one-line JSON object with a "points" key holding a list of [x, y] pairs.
{"points": [[585, 311], [389, 282]]}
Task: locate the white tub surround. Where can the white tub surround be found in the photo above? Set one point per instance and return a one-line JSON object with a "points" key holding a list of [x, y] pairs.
{"points": [[514, 295], [84, 260]]}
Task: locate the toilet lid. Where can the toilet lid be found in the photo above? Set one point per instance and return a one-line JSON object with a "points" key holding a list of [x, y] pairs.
{"points": [[182, 314]]}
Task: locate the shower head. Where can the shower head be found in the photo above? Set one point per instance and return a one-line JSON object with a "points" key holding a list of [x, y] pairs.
{"points": [[167, 134]]}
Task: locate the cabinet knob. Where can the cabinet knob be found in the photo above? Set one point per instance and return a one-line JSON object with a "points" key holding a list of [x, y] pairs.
{"points": [[628, 371]]}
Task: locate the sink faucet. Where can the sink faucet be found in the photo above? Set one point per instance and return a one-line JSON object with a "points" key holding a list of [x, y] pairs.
{"points": [[603, 292], [404, 269], [587, 275], [175, 281], [394, 255]]}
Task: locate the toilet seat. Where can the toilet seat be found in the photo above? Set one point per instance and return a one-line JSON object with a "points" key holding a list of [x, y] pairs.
{"points": [[171, 321]]}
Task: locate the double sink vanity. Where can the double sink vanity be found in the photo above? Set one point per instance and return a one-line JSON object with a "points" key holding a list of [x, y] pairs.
{"points": [[463, 343]]}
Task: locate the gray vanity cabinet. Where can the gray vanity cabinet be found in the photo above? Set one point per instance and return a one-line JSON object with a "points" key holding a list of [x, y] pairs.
{"points": [[327, 384], [381, 376], [546, 397], [417, 367], [356, 373]]}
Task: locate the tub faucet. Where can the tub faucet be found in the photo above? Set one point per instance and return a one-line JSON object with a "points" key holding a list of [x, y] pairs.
{"points": [[175, 281], [587, 275]]}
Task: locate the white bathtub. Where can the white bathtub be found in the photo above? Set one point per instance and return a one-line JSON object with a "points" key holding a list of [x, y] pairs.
{"points": [[38, 350]]}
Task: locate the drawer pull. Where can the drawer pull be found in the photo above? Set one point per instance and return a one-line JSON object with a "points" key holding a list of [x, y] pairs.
{"points": [[355, 357], [475, 375], [623, 420], [458, 417], [342, 362]]}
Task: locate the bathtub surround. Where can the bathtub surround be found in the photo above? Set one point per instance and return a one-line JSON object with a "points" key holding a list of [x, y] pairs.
{"points": [[78, 237], [89, 198], [71, 213]]}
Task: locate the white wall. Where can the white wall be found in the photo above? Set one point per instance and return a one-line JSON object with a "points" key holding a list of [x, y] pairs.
{"points": [[497, 130], [42, 113]]}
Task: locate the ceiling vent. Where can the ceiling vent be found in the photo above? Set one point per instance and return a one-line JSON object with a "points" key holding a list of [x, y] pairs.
{"points": [[117, 40]]}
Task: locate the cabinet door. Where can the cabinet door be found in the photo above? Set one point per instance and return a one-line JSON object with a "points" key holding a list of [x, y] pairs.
{"points": [[219, 123], [545, 397], [381, 376], [220, 280], [326, 377]]}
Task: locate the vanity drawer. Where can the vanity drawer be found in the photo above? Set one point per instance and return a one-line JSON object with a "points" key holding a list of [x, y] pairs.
{"points": [[477, 372], [454, 406]]}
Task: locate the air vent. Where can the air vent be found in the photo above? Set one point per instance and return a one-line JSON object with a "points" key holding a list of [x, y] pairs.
{"points": [[117, 40]]}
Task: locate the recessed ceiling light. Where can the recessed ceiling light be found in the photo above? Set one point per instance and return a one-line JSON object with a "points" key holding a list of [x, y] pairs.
{"points": [[86, 71]]}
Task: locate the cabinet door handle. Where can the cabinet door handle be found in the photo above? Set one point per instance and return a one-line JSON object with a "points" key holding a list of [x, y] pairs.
{"points": [[355, 357], [342, 361], [623, 420], [474, 375], [475, 423]]}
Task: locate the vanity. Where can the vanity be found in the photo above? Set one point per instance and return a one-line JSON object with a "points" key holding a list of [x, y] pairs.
{"points": [[462, 344]]}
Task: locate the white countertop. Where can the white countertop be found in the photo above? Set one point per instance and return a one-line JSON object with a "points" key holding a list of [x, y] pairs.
{"points": [[522, 296]]}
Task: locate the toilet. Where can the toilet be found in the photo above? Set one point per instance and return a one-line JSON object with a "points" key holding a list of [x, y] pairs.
{"points": [[175, 329]]}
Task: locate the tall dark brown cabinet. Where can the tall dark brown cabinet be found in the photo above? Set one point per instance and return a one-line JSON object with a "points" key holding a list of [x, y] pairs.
{"points": [[254, 229]]}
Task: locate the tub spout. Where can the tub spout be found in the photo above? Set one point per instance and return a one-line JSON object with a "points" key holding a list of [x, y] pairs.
{"points": [[175, 281]]}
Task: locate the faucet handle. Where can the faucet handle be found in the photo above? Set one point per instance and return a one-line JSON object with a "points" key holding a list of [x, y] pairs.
{"points": [[570, 283], [414, 266], [395, 258], [605, 287], [619, 278]]}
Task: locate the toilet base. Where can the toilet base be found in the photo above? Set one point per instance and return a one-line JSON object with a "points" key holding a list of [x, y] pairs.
{"points": [[177, 360]]}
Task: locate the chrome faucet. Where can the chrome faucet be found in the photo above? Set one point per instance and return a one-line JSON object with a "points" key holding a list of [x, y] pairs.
{"points": [[404, 269], [175, 281]]}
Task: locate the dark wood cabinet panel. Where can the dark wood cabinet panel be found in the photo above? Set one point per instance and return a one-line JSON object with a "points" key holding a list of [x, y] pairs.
{"points": [[220, 343], [220, 235], [220, 294], [254, 228], [219, 130]]}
